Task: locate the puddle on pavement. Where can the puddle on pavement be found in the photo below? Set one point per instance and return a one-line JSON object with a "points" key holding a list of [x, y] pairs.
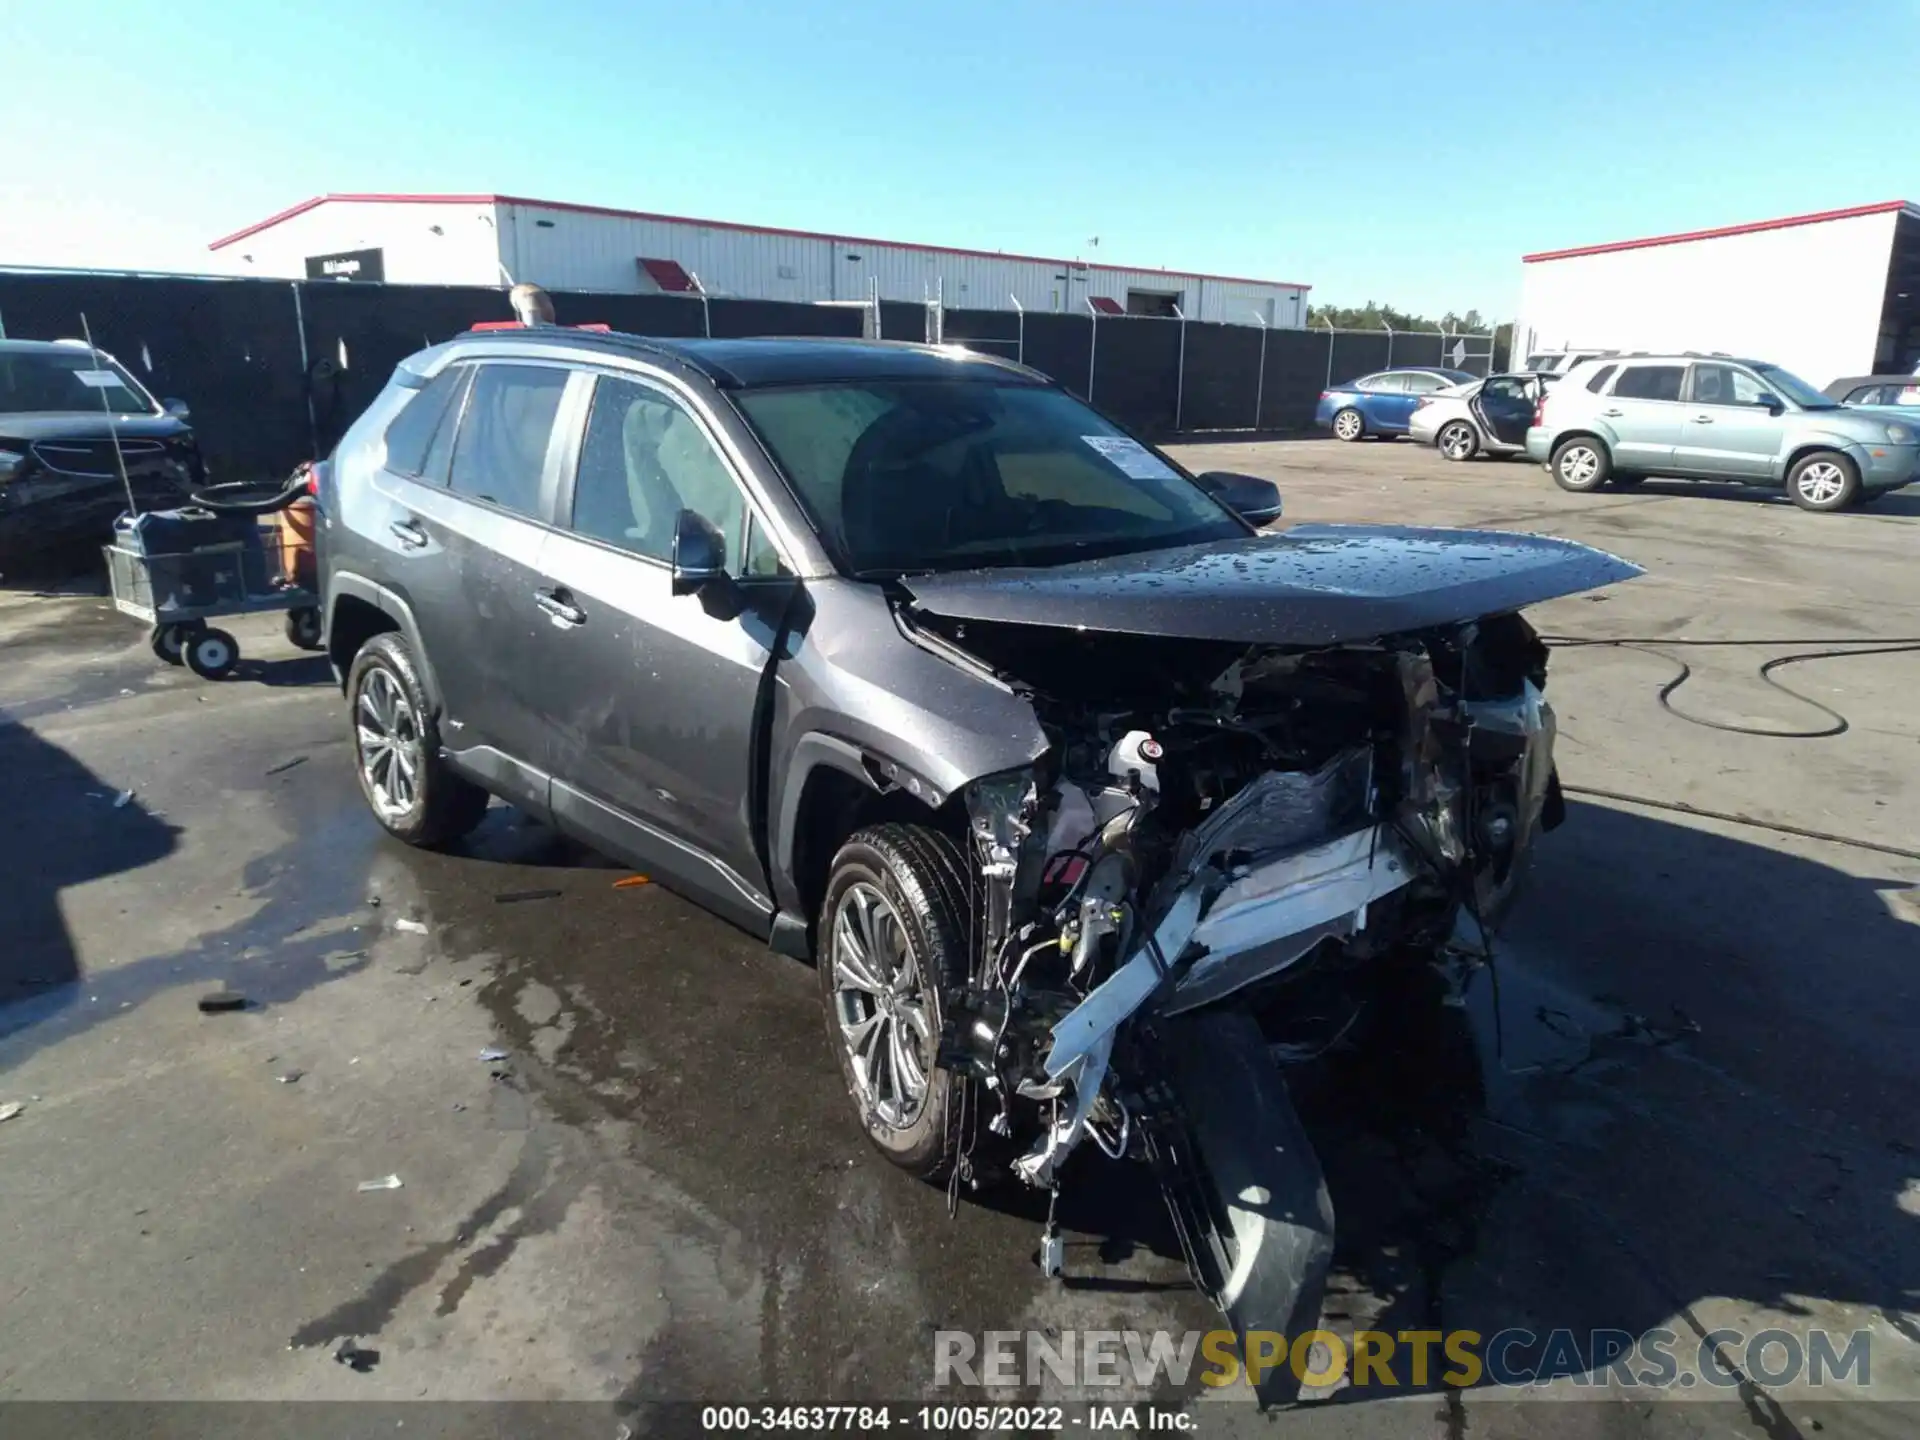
{"points": [[700, 1057]]}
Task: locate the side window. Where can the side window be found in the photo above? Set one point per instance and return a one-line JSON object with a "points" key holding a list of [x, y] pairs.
{"points": [[1385, 384], [413, 429], [1424, 384], [763, 561], [440, 454], [503, 435], [643, 461], [1724, 385], [1871, 395], [1600, 378], [1650, 382], [1503, 387]]}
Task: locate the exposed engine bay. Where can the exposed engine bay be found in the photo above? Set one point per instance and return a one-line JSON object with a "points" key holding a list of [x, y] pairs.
{"points": [[1213, 824]]}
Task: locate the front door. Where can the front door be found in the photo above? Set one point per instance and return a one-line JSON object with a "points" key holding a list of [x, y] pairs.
{"points": [[654, 695], [1504, 408], [1728, 431], [1643, 412]]}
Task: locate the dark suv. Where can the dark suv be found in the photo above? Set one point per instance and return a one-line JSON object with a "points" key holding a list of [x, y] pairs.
{"points": [[70, 417], [905, 658]]}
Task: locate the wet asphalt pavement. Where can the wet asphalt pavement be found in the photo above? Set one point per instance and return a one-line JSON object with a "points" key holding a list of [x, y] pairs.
{"points": [[1691, 1105]]}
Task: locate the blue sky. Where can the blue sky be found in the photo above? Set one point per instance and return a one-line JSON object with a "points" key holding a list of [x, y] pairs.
{"points": [[1407, 153]]}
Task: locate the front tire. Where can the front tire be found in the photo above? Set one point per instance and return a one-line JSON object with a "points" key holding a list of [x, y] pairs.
{"points": [[1580, 464], [396, 747], [1349, 425], [210, 654], [1458, 440], [1824, 481], [892, 933]]}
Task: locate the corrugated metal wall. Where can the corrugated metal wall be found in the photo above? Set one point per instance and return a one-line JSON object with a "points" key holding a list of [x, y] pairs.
{"points": [[1808, 297], [575, 250]]}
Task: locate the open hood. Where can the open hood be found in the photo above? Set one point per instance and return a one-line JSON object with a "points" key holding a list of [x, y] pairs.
{"points": [[1311, 585]]}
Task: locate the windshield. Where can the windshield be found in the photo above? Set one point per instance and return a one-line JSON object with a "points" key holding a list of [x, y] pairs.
{"points": [[1789, 386], [905, 477], [58, 381]]}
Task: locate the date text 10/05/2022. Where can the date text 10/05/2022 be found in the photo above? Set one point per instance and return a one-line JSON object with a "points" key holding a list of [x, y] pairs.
{"points": [[936, 1419]]}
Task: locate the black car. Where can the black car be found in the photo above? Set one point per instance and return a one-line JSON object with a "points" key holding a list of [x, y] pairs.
{"points": [[1074, 784], [65, 409]]}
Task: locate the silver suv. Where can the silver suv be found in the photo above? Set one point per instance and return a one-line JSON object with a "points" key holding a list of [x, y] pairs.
{"points": [[1617, 420]]}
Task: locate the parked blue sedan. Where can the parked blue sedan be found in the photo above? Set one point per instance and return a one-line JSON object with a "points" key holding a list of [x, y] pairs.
{"points": [[1381, 403]]}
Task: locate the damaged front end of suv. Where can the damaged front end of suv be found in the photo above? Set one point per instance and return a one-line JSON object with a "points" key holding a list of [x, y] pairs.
{"points": [[1222, 823]]}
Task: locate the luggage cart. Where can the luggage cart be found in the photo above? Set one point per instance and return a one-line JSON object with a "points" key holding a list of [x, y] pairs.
{"points": [[176, 570]]}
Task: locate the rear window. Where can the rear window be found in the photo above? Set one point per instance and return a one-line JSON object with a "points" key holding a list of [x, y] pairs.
{"points": [[1600, 378], [1650, 382]]}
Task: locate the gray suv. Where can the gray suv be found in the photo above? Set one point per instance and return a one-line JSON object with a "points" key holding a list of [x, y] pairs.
{"points": [[1079, 789], [1619, 419]]}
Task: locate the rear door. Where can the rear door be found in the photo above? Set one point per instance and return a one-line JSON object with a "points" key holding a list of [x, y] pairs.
{"points": [[483, 532], [1726, 430], [1385, 402], [1504, 408], [652, 696], [1643, 411]]}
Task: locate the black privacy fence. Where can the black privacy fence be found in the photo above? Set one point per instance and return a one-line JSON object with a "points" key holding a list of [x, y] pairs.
{"points": [[275, 370]]}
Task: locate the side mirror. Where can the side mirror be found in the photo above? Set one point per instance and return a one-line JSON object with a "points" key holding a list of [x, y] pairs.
{"points": [[176, 408], [1771, 404], [699, 554], [1254, 500]]}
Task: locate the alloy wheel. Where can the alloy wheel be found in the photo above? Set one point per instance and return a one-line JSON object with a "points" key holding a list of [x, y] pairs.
{"points": [[1346, 425], [387, 733], [1456, 442], [1578, 465], [1822, 482], [880, 1002]]}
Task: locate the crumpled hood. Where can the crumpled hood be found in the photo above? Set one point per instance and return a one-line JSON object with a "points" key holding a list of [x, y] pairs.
{"points": [[1311, 585]]}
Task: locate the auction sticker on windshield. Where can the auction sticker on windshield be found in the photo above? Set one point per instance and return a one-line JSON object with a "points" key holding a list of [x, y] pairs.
{"points": [[97, 379], [1133, 459]]}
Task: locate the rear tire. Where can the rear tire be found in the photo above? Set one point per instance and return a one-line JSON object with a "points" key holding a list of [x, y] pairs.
{"points": [[892, 938], [303, 627], [1349, 425], [1824, 481], [168, 644], [409, 787], [1580, 464], [1457, 440]]}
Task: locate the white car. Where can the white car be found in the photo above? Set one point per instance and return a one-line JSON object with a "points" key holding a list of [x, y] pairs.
{"points": [[1488, 416]]}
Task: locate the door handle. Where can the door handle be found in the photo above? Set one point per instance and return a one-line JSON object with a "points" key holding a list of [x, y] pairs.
{"points": [[559, 604], [1703, 419], [409, 533], [1613, 414]]}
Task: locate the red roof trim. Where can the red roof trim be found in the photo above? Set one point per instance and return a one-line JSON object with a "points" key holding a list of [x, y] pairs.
{"points": [[1105, 304], [306, 205], [1885, 207]]}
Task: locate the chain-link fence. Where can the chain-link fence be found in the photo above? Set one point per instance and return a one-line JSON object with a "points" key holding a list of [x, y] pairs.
{"points": [[276, 370]]}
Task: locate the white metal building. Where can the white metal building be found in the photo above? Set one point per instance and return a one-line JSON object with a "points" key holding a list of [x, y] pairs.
{"points": [[494, 239], [1829, 294]]}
